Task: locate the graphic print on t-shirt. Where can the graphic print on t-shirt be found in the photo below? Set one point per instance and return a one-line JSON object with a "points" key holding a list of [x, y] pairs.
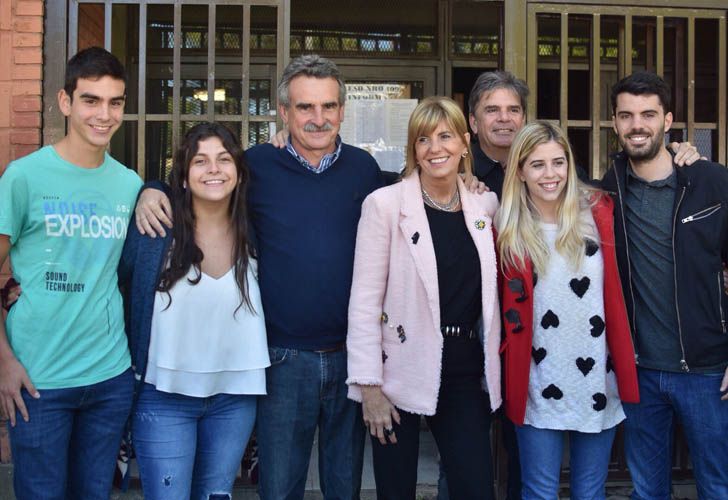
{"points": [[79, 215], [82, 218], [67, 227]]}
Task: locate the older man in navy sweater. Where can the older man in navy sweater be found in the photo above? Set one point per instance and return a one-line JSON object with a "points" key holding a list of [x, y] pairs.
{"points": [[305, 201]]}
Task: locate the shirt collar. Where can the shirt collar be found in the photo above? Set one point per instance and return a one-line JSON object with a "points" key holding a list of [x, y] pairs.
{"points": [[482, 163], [477, 150], [325, 162], [669, 181]]}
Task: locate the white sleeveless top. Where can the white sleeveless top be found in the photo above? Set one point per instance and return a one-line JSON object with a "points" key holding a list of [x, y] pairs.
{"points": [[199, 347]]}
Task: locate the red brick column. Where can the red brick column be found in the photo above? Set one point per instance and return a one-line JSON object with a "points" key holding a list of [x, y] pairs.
{"points": [[21, 60], [21, 73]]}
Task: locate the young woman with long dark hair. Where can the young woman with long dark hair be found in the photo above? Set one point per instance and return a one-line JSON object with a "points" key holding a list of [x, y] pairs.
{"points": [[196, 326]]}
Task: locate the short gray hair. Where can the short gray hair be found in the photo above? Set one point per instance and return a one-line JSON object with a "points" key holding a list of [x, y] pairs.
{"points": [[493, 80], [309, 65]]}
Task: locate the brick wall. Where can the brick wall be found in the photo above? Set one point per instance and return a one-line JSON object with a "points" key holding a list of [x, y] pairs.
{"points": [[21, 59], [21, 71]]}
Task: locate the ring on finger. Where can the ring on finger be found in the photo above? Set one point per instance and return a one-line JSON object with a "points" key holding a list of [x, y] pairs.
{"points": [[388, 432]]}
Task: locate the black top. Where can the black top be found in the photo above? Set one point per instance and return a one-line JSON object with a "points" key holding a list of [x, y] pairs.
{"points": [[488, 171], [458, 278], [458, 268]]}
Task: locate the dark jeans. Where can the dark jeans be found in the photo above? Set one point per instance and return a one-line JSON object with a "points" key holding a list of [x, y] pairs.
{"points": [[460, 426], [68, 448], [306, 392]]}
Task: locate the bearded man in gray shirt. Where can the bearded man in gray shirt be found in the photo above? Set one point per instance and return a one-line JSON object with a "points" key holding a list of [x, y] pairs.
{"points": [[671, 234]]}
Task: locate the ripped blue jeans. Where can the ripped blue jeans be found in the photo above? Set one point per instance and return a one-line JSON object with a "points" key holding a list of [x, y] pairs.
{"points": [[189, 447]]}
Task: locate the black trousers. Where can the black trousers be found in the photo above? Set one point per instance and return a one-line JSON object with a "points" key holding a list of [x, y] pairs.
{"points": [[508, 432], [460, 426]]}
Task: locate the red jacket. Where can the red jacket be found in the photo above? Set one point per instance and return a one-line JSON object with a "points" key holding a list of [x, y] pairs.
{"points": [[516, 287]]}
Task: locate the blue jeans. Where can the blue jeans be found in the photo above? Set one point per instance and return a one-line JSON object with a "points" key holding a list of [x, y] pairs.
{"points": [[541, 452], [695, 399], [306, 391], [189, 447], [68, 448]]}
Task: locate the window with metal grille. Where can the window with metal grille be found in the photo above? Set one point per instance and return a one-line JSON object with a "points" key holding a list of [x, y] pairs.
{"points": [[364, 28], [579, 52], [187, 62], [476, 28]]}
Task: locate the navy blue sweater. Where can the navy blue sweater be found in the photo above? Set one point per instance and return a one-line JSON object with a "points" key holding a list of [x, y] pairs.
{"points": [[305, 230]]}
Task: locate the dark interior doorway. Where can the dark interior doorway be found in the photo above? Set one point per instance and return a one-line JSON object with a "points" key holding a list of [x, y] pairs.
{"points": [[462, 81]]}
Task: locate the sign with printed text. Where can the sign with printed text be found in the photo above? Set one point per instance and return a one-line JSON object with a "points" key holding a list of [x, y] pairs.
{"points": [[377, 91], [376, 120]]}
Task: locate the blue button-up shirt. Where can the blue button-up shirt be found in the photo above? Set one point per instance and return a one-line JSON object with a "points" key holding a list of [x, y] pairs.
{"points": [[326, 161]]}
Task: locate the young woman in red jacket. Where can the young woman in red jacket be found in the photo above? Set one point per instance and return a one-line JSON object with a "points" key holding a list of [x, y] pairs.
{"points": [[568, 355]]}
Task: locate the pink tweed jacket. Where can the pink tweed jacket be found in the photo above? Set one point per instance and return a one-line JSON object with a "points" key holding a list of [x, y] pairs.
{"points": [[394, 337]]}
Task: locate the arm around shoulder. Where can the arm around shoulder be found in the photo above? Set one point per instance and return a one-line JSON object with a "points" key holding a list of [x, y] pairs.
{"points": [[153, 210]]}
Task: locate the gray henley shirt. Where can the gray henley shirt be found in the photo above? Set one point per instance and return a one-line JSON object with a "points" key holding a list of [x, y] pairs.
{"points": [[649, 214]]}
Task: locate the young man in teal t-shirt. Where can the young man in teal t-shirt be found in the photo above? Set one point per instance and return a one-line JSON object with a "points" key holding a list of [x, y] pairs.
{"points": [[65, 379]]}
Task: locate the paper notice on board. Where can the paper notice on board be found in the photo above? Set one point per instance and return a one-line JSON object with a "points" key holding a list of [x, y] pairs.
{"points": [[398, 114], [380, 127], [371, 118], [370, 121]]}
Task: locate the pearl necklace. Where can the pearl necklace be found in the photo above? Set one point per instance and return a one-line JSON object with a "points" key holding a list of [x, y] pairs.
{"points": [[450, 206]]}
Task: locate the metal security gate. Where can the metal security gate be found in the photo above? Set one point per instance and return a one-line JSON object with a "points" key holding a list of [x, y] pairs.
{"points": [[188, 61], [575, 53]]}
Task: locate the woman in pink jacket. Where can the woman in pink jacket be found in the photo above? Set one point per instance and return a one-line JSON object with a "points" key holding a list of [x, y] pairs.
{"points": [[424, 327]]}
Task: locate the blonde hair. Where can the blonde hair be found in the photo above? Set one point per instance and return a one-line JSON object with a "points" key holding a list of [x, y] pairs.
{"points": [[517, 221], [425, 119]]}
